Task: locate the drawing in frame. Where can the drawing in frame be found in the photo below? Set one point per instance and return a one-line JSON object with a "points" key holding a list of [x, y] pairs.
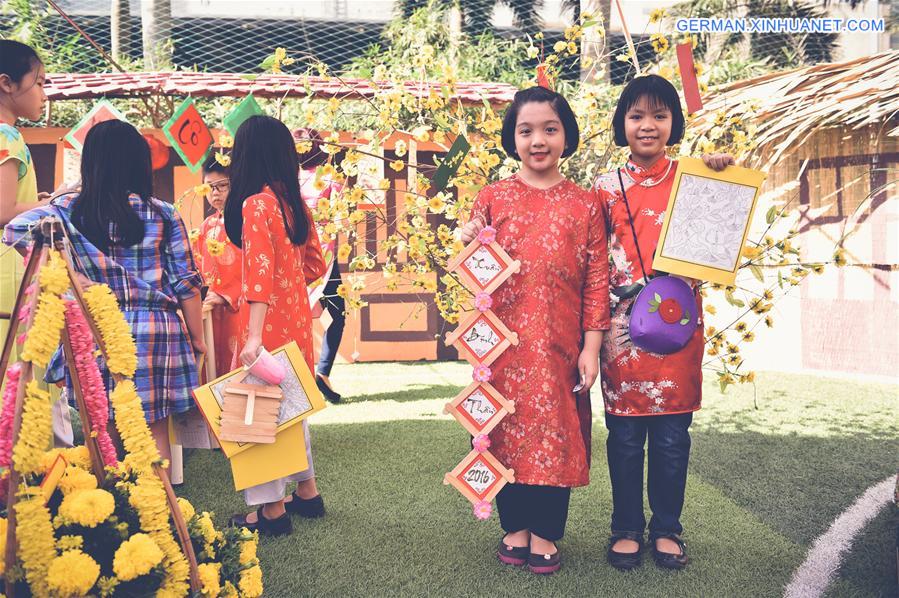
{"points": [[707, 221]]}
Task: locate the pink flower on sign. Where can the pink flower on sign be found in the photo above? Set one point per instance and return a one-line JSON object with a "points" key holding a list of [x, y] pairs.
{"points": [[481, 443], [487, 235], [482, 510], [483, 301], [481, 373]]}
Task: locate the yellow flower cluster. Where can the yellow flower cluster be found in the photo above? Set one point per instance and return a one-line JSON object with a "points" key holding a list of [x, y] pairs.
{"points": [[149, 500], [187, 509], [37, 547], [120, 348], [132, 427], [34, 435], [54, 278], [136, 556], [70, 543], [88, 508], [250, 584], [76, 479], [43, 337], [76, 455], [2, 545], [72, 574], [215, 248], [207, 528], [209, 578], [248, 550]]}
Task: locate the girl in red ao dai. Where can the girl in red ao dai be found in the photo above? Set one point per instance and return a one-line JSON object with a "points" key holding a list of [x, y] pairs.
{"points": [[648, 397], [559, 305]]}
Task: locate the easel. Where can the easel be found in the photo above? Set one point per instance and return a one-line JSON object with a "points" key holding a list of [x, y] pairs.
{"points": [[51, 232]]}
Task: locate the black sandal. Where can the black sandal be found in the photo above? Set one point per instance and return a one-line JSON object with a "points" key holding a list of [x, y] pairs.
{"points": [[512, 555], [545, 564], [278, 526], [329, 393], [668, 560], [310, 508], [625, 561]]}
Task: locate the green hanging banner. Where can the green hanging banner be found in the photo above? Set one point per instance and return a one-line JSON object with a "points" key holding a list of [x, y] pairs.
{"points": [[189, 135], [247, 108], [450, 163]]}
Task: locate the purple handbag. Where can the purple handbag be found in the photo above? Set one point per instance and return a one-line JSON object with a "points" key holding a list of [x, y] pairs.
{"points": [[662, 318]]}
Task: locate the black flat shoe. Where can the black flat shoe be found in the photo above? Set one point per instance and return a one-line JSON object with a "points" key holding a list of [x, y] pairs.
{"points": [[512, 555], [625, 561], [327, 391], [544, 564], [668, 560], [278, 526], [310, 508]]}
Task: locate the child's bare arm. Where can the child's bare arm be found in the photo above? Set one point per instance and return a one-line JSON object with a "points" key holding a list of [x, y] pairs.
{"points": [[192, 308]]}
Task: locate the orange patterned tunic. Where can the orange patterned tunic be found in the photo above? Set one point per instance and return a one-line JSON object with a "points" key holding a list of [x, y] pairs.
{"points": [[561, 290], [276, 272], [219, 262]]}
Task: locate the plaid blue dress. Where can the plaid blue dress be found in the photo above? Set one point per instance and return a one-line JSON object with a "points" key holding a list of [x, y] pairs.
{"points": [[148, 279]]}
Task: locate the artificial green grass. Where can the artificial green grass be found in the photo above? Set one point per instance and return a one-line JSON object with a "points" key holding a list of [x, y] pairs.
{"points": [[763, 484]]}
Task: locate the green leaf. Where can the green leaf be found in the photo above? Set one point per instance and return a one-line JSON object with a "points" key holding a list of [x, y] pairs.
{"points": [[268, 63], [658, 298], [686, 318], [771, 215], [757, 272], [653, 308], [249, 77], [729, 295], [722, 383], [780, 280]]}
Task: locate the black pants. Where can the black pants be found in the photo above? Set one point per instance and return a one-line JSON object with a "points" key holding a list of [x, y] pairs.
{"points": [[336, 306], [669, 453], [541, 509]]}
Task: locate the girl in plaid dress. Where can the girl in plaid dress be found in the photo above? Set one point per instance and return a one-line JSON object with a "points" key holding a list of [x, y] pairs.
{"points": [[136, 244]]}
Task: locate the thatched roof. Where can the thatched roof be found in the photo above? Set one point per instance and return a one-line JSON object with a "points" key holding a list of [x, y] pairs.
{"points": [[792, 106]]}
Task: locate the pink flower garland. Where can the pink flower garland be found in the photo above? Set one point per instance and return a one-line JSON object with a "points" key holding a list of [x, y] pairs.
{"points": [[481, 443], [481, 373], [91, 380], [482, 509], [483, 301], [6, 417]]}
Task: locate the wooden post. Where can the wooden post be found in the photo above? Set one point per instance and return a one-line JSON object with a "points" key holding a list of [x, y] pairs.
{"points": [[10, 339]]}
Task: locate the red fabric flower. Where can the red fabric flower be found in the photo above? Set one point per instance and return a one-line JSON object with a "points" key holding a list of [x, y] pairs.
{"points": [[670, 311]]}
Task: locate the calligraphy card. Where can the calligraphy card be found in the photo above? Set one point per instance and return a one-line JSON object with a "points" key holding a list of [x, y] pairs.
{"points": [[483, 267], [707, 221], [479, 476], [189, 135], [481, 338], [479, 408]]}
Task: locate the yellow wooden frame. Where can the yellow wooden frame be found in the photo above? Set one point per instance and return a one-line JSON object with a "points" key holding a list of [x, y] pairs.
{"points": [[732, 174], [454, 408], [503, 476], [212, 411], [455, 338], [510, 267]]}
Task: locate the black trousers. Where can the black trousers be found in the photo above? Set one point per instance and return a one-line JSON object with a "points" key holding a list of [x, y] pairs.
{"points": [[669, 453], [541, 509], [336, 306]]}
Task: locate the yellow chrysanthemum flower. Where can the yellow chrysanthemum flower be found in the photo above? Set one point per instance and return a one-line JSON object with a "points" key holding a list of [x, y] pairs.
{"points": [[215, 248], [132, 427], [223, 159], [136, 556], [248, 550], [209, 578], [72, 574], [89, 508], [76, 479], [187, 509], [250, 584], [70, 543], [226, 141], [205, 189]]}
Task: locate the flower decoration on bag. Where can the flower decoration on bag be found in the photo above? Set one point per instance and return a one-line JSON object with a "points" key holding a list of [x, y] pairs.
{"points": [[669, 310]]}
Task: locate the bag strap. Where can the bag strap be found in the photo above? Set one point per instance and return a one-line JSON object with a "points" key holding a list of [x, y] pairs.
{"points": [[630, 220]]}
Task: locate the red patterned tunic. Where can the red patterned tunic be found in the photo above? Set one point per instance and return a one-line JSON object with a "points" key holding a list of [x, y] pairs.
{"points": [[219, 262], [276, 272], [561, 290], [636, 382]]}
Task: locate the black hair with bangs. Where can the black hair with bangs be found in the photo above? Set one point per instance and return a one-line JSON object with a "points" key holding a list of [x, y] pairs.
{"points": [[660, 92], [558, 103]]}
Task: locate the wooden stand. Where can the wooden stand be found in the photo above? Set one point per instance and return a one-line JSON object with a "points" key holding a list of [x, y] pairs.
{"points": [[51, 229]]}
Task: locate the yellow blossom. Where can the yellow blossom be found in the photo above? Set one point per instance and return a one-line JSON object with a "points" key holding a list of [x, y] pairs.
{"points": [[209, 578], [223, 159], [70, 543], [215, 248], [226, 140], [54, 278], [659, 43], [397, 165], [248, 550], [343, 252], [400, 148], [749, 377], [35, 431], [43, 337], [303, 146], [88, 508], [37, 547], [114, 330], [205, 189], [76, 479], [187, 509], [342, 291], [559, 46], [710, 309], [750, 252], [657, 15], [250, 583], [72, 574], [436, 204]]}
